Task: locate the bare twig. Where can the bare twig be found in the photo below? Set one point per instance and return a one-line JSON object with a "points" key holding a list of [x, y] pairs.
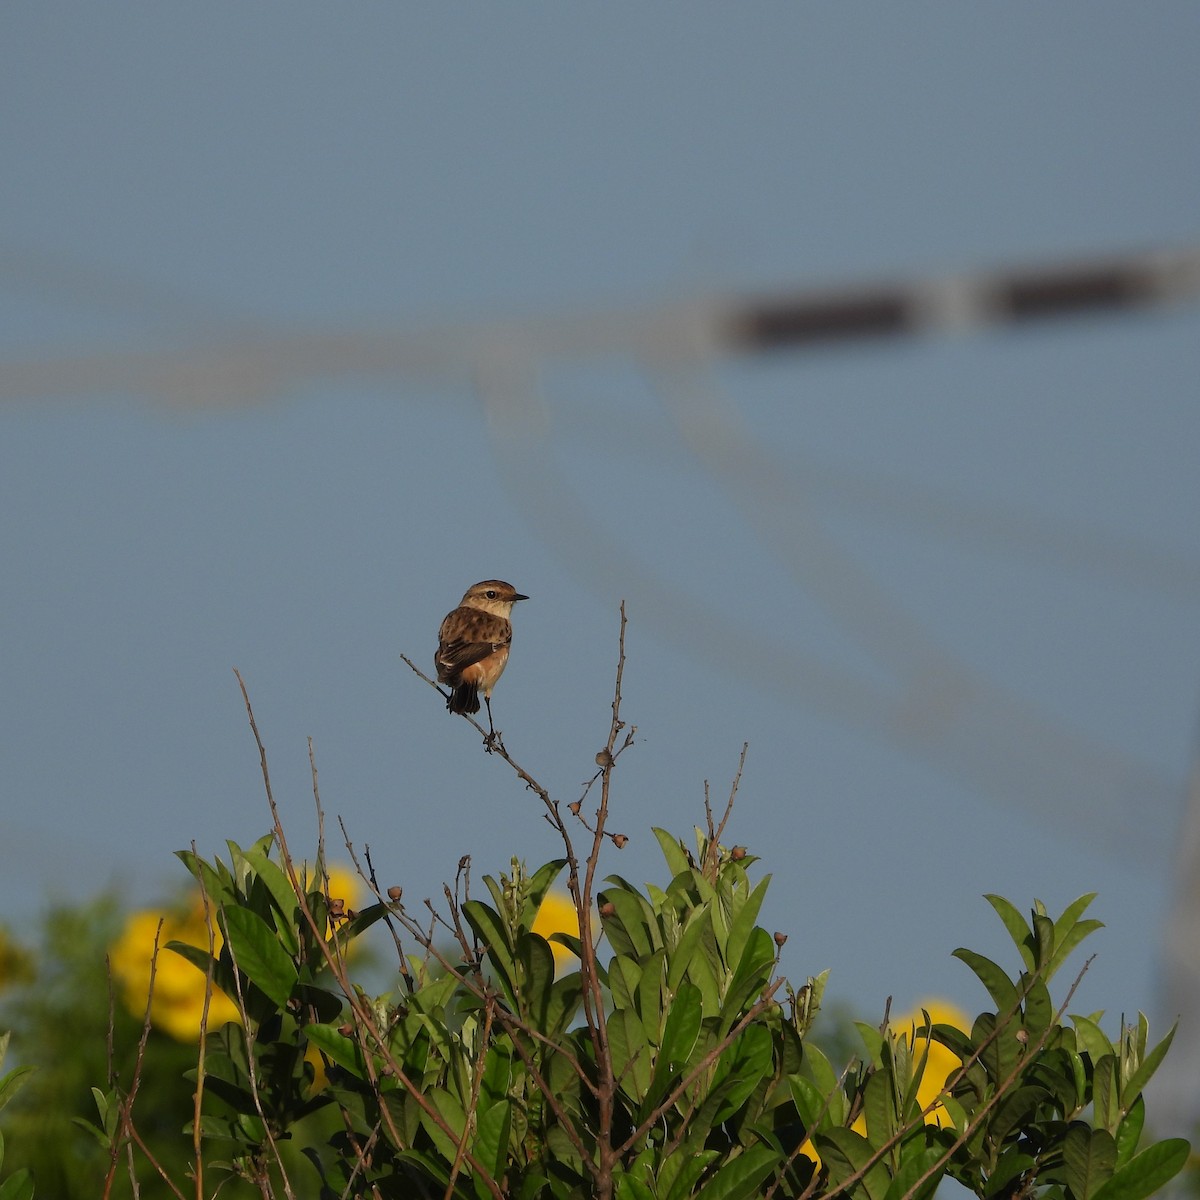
{"points": [[126, 1128], [712, 849]]}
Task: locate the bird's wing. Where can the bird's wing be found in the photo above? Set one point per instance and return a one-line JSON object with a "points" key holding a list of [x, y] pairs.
{"points": [[456, 656], [467, 636]]}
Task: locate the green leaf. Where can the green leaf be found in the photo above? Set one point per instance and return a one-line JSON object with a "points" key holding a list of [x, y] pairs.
{"points": [[682, 1027], [1013, 1162], [490, 1144], [12, 1082], [999, 1053], [649, 995], [1089, 1156], [536, 887], [752, 975], [223, 977], [956, 1112], [845, 1153], [684, 951], [631, 1055], [624, 975], [1043, 942], [743, 922], [702, 972], [216, 881], [1017, 928], [873, 1041], [631, 928], [628, 1187], [742, 1176], [817, 1109], [743, 1066], [537, 978], [258, 954], [1054, 1071], [326, 1006], [18, 1186], [1038, 1007], [1069, 931], [487, 926], [998, 984], [1144, 1174], [679, 1037], [283, 899], [672, 851], [1129, 1131], [565, 999], [1105, 1098], [344, 1051], [821, 1069], [108, 1106], [1091, 1038], [879, 1107], [679, 1173], [92, 1129], [451, 1112], [1134, 1085], [1072, 913], [915, 1161]]}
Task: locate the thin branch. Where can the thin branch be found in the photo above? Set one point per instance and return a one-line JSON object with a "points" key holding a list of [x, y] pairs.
{"points": [[126, 1127]]}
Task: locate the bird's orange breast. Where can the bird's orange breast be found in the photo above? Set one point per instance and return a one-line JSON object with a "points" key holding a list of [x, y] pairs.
{"points": [[484, 673]]}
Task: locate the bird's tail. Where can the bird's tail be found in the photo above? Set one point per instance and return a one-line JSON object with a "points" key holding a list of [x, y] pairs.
{"points": [[463, 699]]}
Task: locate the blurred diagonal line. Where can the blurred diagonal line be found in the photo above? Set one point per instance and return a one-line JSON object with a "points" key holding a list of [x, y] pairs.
{"points": [[525, 455], [67, 279], [889, 500], [947, 711]]}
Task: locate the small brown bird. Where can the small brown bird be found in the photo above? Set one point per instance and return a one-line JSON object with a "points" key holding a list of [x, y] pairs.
{"points": [[473, 645]]}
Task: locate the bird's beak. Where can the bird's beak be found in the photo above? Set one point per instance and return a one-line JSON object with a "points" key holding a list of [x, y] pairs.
{"points": [[518, 596]]}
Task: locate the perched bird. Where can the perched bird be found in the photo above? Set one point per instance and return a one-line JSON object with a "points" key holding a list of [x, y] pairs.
{"points": [[473, 645]]}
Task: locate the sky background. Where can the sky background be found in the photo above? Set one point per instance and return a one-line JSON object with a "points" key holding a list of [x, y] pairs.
{"points": [[946, 588]]}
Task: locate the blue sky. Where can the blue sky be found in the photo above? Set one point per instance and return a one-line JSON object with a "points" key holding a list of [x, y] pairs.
{"points": [[184, 185]]}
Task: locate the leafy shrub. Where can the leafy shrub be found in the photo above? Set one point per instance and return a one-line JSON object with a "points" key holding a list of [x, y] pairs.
{"points": [[662, 1057]]}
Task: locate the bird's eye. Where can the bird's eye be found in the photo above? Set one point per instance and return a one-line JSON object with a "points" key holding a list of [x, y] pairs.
{"points": [[491, 593]]}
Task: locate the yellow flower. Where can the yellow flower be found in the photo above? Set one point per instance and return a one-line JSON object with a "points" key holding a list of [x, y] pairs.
{"points": [[178, 1000], [557, 915], [941, 1062]]}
